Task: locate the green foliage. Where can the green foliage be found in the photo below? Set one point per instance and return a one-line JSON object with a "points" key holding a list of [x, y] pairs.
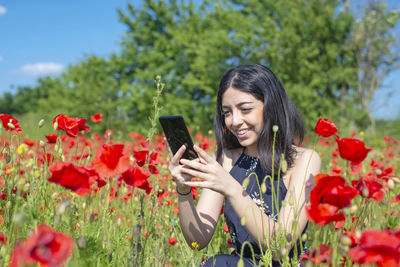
{"points": [[315, 47]]}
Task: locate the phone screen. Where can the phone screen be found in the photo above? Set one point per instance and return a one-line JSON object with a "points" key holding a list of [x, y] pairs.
{"points": [[177, 134]]}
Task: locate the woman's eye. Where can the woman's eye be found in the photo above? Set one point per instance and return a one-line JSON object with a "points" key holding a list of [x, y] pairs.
{"points": [[225, 113], [246, 110]]}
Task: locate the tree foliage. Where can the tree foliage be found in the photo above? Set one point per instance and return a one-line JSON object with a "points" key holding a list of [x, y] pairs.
{"points": [[316, 47]]}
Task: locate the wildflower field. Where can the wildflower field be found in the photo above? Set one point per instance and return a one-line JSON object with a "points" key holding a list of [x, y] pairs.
{"points": [[78, 198]]}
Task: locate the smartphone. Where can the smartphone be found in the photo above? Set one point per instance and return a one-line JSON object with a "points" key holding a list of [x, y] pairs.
{"points": [[177, 134]]}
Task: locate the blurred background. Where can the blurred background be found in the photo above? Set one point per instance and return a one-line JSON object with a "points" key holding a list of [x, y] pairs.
{"points": [[338, 59]]}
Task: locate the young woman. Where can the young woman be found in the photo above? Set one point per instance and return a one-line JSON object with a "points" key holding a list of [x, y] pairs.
{"points": [[252, 107]]}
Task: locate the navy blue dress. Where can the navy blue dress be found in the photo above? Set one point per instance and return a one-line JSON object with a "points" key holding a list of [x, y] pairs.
{"points": [[248, 166]]}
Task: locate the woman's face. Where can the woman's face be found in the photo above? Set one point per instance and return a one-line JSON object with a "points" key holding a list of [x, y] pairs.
{"points": [[243, 115]]}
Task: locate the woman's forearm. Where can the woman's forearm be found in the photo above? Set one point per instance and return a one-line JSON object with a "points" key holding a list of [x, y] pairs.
{"points": [[193, 229]]}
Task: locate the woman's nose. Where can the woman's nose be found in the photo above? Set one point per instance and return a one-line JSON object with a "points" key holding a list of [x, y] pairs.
{"points": [[237, 119]]}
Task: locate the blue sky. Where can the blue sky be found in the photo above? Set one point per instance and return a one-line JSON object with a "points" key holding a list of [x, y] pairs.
{"points": [[43, 37]]}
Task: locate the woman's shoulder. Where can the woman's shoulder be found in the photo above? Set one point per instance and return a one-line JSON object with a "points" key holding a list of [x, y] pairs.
{"points": [[303, 154], [230, 156], [305, 159]]}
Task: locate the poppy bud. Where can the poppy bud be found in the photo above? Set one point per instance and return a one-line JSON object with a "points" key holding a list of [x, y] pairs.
{"points": [[26, 187], [345, 240], [378, 171], [246, 182], [283, 203], [283, 251], [395, 179], [284, 164], [82, 242], [240, 263], [11, 125], [19, 219], [263, 188], [390, 184], [304, 237], [55, 126], [243, 220], [275, 128], [42, 143], [365, 192], [136, 231], [353, 209], [291, 201], [289, 237], [358, 234], [41, 123], [62, 207]]}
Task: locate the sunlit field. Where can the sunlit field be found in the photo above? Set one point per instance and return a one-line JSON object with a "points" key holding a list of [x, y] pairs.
{"points": [[78, 198]]}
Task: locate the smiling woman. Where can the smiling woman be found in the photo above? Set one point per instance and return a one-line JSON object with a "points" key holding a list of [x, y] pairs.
{"points": [[257, 167]]}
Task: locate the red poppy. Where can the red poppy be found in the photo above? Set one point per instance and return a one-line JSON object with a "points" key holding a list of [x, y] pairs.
{"points": [[325, 127], [67, 124], [141, 157], [76, 178], [368, 188], [324, 213], [396, 199], [352, 149], [137, 177], [3, 238], [98, 117], [172, 240], [318, 256], [29, 143], [111, 160], [10, 121], [336, 170], [82, 124], [52, 138], [379, 247], [108, 134], [46, 247], [95, 176], [332, 190]]}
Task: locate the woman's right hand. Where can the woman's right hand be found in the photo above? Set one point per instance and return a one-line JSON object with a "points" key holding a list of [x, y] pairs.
{"points": [[176, 169]]}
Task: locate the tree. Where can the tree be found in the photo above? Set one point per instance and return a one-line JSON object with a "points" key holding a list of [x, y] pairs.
{"points": [[376, 51], [301, 40]]}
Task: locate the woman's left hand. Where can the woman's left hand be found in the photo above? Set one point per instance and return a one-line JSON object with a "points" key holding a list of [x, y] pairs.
{"points": [[214, 176]]}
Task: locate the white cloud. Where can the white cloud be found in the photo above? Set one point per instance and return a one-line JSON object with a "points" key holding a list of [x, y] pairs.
{"points": [[1, 58], [3, 10], [42, 68]]}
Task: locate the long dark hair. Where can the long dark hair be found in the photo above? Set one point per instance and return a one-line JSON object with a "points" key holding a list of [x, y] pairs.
{"points": [[279, 110]]}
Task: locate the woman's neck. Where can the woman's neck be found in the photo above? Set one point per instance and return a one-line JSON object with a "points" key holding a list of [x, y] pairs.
{"points": [[250, 151]]}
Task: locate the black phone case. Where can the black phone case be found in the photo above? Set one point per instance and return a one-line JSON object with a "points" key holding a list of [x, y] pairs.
{"points": [[177, 134]]}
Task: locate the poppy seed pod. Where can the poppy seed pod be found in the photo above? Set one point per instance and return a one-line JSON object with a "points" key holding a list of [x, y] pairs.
{"points": [[11, 125], [41, 123], [390, 184]]}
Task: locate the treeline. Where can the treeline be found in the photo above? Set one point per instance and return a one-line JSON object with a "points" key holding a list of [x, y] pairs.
{"points": [[330, 60]]}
